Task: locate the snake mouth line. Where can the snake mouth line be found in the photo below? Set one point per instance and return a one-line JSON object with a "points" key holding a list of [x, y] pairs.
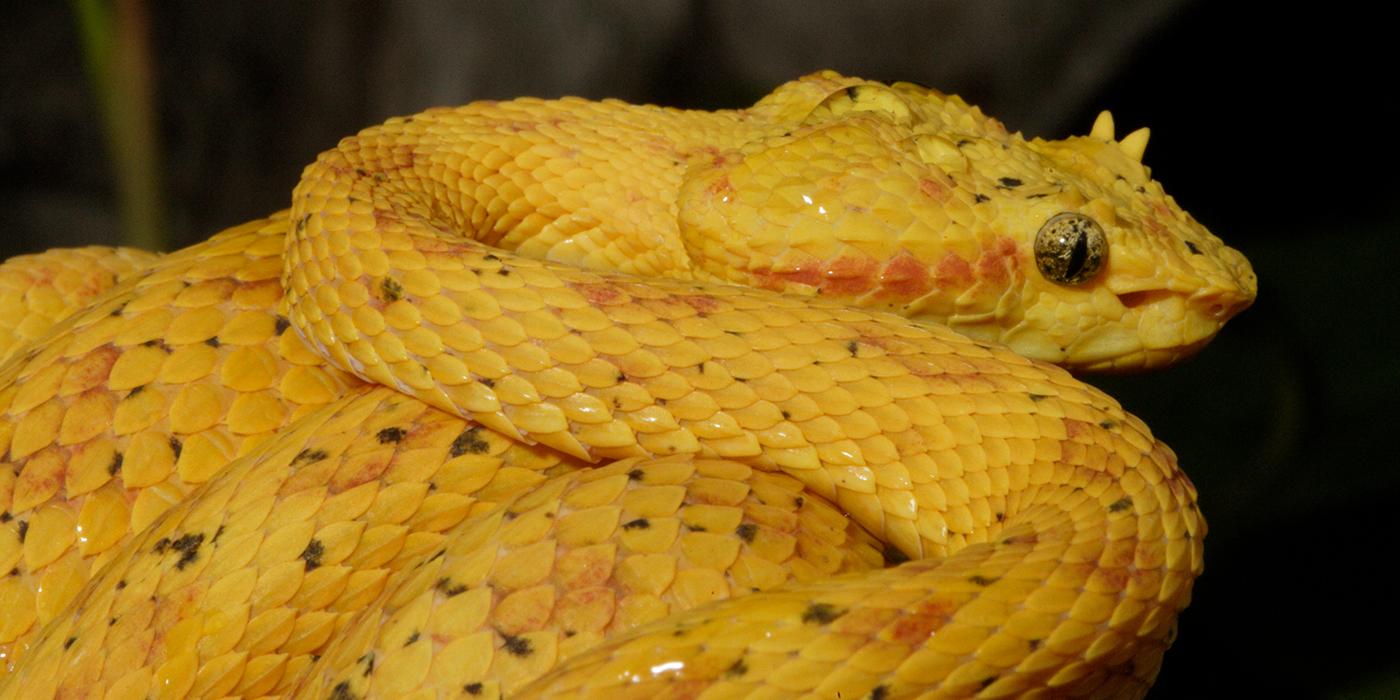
{"points": [[1133, 300]]}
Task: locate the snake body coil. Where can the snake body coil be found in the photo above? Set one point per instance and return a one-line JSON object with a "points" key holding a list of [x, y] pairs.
{"points": [[484, 414]]}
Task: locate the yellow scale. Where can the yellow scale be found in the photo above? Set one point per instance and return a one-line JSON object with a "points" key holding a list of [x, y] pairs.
{"points": [[347, 452]]}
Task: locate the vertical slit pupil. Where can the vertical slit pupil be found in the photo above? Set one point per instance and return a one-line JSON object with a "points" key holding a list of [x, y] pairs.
{"points": [[1078, 254]]}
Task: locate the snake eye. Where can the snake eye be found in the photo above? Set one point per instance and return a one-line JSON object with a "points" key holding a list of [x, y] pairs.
{"points": [[1070, 248]]}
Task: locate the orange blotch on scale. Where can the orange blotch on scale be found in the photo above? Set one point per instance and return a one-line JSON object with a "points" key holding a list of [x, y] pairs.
{"points": [[848, 274], [920, 623], [805, 274], [34, 389], [586, 567], [999, 262], [525, 610], [89, 371], [935, 190], [904, 277], [36, 430], [720, 187], [39, 481], [953, 271], [700, 303], [1155, 226], [89, 467], [586, 609]]}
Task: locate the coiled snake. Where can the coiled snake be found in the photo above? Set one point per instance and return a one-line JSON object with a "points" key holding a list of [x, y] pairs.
{"points": [[486, 414]]}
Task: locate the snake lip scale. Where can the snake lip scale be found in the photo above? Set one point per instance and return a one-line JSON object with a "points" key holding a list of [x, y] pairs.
{"points": [[562, 398]]}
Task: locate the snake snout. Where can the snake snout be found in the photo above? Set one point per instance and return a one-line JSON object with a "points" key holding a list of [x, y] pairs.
{"points": [[1236, 291], [1221, 304], [1232, 293]]}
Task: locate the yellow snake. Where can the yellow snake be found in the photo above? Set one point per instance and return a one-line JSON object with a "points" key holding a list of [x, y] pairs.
{"points": [[484, 414]]}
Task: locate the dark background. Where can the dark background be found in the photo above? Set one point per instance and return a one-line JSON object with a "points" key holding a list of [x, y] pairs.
{"points": [[1275, 127]]}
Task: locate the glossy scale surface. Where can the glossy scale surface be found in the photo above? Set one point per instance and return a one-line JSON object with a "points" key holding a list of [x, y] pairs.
{"points": [[592, 467]]}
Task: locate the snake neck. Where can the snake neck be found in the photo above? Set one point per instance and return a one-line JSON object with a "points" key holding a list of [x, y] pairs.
{"points": [[560, 181]]}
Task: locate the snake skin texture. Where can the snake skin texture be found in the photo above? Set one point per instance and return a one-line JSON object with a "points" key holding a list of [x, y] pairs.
{"points": [[586, 399], [37, 291]]}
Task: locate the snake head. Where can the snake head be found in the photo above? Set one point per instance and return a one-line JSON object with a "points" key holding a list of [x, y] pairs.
{"points": [[900, 197], [1166, 285]]}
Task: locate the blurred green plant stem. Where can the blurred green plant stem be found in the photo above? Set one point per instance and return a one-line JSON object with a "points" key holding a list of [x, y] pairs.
{"points": [[115, 36]]}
